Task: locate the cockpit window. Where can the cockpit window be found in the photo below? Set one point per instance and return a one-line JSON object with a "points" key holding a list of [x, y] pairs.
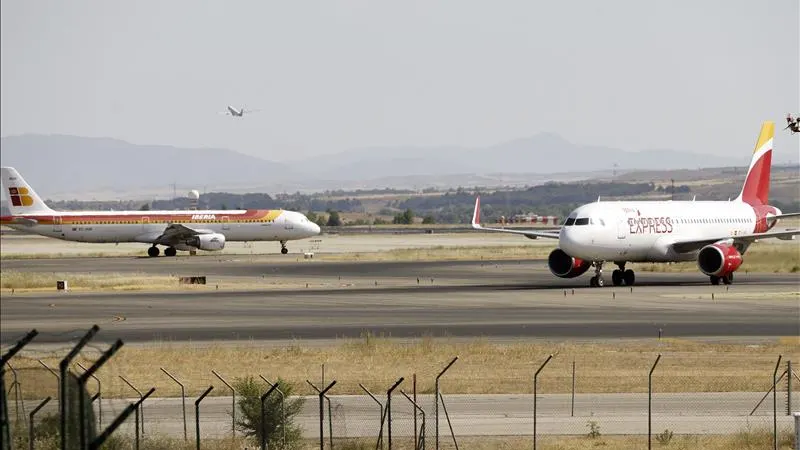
{"points": [[582, 221], [569, 221]]}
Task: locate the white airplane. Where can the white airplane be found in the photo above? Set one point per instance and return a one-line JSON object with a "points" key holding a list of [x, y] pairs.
{"points": [[177, 230], [231, 111], [714, 233]]}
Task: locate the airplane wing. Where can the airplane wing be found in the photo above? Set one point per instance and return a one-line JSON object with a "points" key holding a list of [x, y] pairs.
{"points": [[784, 216], [530, 234], [692, 245], [176, 233]]}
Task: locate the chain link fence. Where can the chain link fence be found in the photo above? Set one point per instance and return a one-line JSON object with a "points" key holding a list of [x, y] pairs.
{"points": [[653, 400]]}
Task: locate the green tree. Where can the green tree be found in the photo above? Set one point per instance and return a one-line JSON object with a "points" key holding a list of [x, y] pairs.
{"points": [[278, 416], [333, 218], [428, 220], [404, 218], [145, 207]]}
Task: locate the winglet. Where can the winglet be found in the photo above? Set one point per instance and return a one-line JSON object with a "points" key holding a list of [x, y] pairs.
{"points": [[476, 215]]}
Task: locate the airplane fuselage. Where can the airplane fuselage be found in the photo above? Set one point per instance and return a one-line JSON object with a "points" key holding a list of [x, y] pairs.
{"points": [[644, 231], [145, 227]]}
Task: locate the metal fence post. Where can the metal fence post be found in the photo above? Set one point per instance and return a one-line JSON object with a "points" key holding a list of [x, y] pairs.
{"points": [[5, 421], [283, 408], [16, 386], [436, 398], [572, 405], [263, 416], [389, 410], [30, 423], [197, 414], [98, 395], [322, 412], [83, 379], [183, 401], [63, 370], [789, 374], [649, 402], [140, 412], [55, 374], [419, 443], [535, 382], [99, 440], [775, 404], [380, 405], [233, 410]]}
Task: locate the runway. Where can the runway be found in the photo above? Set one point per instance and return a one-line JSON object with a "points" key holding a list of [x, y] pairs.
{"points": [[495, 299]]}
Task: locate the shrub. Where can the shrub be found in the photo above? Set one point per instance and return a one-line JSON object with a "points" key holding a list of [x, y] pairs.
{"points": [[278, 416]]}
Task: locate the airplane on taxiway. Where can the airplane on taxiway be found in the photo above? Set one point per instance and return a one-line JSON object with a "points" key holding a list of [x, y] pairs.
{"points": [[177, 230], [714, 233]]}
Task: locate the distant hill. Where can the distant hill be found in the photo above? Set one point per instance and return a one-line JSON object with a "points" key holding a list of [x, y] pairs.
{"points": [[57, 165], [66, 167], [545, 153]]}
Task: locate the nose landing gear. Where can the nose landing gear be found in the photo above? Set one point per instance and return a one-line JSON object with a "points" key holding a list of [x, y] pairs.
{"points": [[284, 250], [597, 280]]}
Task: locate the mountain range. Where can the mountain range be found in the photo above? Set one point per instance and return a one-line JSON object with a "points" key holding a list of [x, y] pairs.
{"points": [[67, 167]]}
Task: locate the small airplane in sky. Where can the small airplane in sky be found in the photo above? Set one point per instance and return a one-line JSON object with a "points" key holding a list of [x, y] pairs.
{"points": [[231, 111], [793, 124]]}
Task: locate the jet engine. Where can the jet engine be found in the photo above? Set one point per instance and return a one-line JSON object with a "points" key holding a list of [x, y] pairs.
{"points": [[564, 266], [211, 241], [719, 260]]}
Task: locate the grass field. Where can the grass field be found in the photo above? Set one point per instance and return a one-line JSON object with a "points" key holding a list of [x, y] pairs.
{"points": [[483, 367], [32, 281]]}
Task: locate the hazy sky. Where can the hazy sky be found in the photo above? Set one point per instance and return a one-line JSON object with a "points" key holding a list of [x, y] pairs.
{"points": [[334, 75]]}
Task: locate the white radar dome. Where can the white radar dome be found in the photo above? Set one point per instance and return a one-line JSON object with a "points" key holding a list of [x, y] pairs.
{"points": [[194, 193]]}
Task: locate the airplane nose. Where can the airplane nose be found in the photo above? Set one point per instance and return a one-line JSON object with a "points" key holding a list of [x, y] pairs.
{"points": [[314, 228]]}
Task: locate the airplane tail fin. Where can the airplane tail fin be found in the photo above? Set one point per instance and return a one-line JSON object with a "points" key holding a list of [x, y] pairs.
{"points": [[21, 196], [755, 190]]}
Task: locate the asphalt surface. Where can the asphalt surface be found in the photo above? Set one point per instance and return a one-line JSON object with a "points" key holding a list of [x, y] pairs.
{"points": [[497, 299]]}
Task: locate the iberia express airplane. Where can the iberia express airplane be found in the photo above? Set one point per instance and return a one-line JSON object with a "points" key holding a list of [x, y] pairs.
{"points": [[714, 233], [177, 230]]}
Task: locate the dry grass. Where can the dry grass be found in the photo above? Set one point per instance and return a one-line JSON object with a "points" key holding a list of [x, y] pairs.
{"points": [[744, 440], [59, 255], [483, 367], [442, 253], [781, 257], [30, 281]]}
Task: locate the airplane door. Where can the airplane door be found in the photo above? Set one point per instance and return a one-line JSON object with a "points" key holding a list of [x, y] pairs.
{"points": [[288, 224], [226, 223], [622, 228], [57, 224], [145, 223]]}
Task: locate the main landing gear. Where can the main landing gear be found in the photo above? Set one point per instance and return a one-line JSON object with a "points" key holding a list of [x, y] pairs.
{"points": [[621, 276], [726, 279], [284, 250], [169, 251], [618, 276]]}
